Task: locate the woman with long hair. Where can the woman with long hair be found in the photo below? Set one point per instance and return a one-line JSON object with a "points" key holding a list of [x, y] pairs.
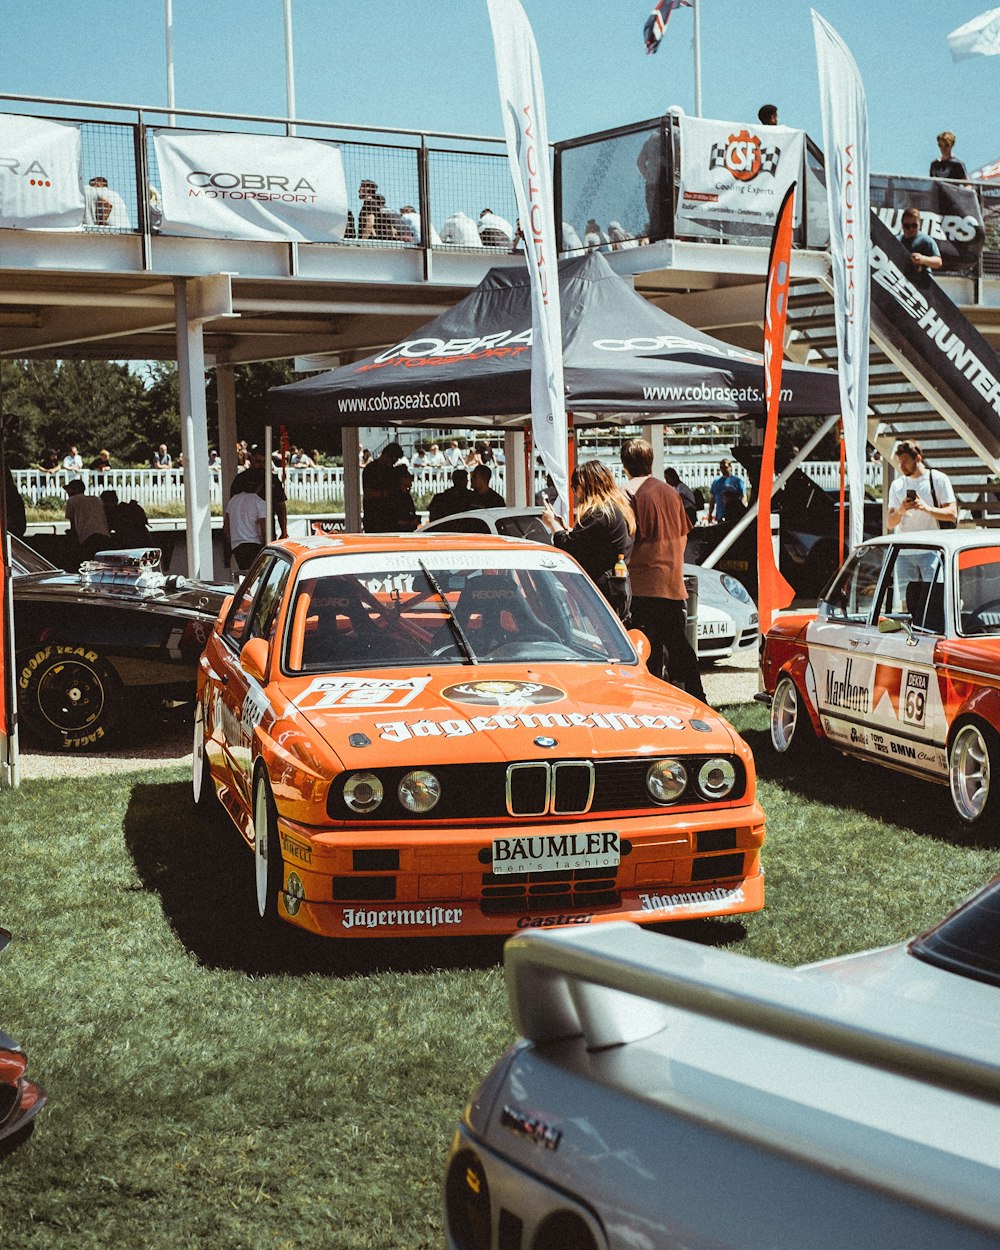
{"points": [[601, 539]]}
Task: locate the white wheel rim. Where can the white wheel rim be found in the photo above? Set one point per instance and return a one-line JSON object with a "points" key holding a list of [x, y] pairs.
{"points": [[784, 715], [260, 836], [198, 754], [969, 773]]}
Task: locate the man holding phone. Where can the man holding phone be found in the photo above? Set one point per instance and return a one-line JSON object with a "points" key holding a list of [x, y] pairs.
{"points": [[922, 498]]}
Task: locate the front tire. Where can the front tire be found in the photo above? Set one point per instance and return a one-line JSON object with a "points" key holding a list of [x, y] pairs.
{"points": [[69, 697], [205, 798], [792, 733], [267, 861], [973, 755]]}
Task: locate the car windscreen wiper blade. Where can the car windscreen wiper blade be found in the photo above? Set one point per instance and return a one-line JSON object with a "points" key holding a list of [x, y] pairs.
{"points": [[460, 637]]}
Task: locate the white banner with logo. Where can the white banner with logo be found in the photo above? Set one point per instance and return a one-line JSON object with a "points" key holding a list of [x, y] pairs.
{"points": [[845, 139], [234, 186], [733, 172], [522, 101], [40, 185]]}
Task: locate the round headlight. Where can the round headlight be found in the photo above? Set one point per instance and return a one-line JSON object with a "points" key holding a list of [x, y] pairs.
{"points": [[736, 589], [665, 780], [419, 791], [716, 778], [363, 792]]}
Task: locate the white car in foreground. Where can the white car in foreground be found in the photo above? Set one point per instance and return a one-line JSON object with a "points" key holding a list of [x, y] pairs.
{"points": [[666, 1095], [727, 616]]}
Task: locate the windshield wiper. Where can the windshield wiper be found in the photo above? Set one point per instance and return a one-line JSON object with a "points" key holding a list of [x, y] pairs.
{"points": [[456, 629]]}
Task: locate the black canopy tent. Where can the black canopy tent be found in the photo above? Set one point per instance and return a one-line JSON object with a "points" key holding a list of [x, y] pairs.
{"points": [[624, 360]]}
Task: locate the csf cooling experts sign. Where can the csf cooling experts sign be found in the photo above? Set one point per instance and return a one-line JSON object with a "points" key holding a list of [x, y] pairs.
{"points": [[231, 186], [733, 172], [40, 184]]}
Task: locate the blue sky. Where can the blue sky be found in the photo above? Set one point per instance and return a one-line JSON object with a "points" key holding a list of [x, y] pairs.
{"points": [[430, 65]]}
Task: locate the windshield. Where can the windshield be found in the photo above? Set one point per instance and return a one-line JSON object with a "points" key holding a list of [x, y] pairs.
{"points": [[968, 941], [979, 590], [24, 560], [398, 610]]}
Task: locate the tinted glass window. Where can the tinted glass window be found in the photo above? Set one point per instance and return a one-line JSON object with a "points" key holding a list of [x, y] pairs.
{"points": [[239, 614], [343, 616], [979, 590], [265, 613], [530, 527], [25, 560], [968, 942], [915, 589], [852, 594]]}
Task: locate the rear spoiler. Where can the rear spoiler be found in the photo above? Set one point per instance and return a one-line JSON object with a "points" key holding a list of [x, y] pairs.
{"points": [[617, 983]]}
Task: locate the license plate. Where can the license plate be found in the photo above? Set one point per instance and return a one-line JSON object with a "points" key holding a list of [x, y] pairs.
{"points": [[556, 852], [713, 629]]}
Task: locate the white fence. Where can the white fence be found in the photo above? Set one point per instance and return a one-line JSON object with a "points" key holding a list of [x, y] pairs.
{"points": [[157, 488]]}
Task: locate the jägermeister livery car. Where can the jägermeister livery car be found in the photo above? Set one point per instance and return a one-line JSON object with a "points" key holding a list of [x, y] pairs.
{"points": [[900, 663], [454, 734]]}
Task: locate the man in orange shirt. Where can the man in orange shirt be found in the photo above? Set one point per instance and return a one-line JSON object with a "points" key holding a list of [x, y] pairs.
{"points": [[656, 571]]}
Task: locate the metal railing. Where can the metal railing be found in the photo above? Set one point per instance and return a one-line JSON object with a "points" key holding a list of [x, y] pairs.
{"points": [[597, 176], [164, 488]]}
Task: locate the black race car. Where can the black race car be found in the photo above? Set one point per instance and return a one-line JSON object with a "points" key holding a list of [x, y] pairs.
{"points": [[90, 643]]}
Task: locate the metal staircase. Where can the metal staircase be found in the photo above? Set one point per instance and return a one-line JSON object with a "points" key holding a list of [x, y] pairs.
{"points": [[901, 404]]}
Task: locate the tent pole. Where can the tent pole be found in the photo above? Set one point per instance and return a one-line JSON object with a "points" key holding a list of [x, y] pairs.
{"points": [[515, 477], [350, 445]]}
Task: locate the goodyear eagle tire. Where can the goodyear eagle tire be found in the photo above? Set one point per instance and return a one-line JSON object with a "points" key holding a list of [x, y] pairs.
{"points": [[792, 733], [973, 760], [69, 697], [268, 865]]}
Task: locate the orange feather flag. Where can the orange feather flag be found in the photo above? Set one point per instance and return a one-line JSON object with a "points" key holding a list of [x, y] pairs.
{"points": [[773, 591]]}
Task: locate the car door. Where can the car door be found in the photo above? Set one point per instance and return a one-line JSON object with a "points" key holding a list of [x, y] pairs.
{"points": [[843, 647], [244, 702], [908, 720]]}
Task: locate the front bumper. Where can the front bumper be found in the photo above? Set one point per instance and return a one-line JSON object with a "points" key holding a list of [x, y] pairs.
{"points": [[390, 882]]}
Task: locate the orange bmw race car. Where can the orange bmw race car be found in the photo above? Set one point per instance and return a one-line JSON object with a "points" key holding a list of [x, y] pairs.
{"points": [[423, 735]]}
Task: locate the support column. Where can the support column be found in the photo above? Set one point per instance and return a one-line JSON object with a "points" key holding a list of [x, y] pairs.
{"points": [[350, 445], [518, 487], [653, 434], [194, 436], [225, 381], [197, 300]]}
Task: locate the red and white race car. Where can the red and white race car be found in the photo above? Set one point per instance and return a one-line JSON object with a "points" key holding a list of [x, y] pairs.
{"points": [[900, 663]]}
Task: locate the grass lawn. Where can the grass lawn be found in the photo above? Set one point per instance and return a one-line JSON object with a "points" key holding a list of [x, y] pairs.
{"points": [[210, 1090]]}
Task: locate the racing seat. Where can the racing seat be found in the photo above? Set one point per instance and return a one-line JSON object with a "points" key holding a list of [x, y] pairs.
{"points": [[344, 629], [925, 604], [493, 611]]}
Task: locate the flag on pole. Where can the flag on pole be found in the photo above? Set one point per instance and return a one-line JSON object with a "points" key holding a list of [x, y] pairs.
{"points": [[773, 592], [980, 37], [656, 23], [522, 101], [845, 138]]}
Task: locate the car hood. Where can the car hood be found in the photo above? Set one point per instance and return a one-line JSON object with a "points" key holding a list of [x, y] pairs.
{"points": [[492, 713], [205, 598]]}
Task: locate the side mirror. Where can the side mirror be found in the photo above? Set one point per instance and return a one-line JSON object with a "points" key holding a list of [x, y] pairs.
{"points": [[641, 644], [897, 623], [227, 603], [254, 658]]}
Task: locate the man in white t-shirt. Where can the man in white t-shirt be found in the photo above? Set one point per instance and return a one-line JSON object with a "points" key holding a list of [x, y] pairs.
{"points": [[922, 498], [244, 526]]}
